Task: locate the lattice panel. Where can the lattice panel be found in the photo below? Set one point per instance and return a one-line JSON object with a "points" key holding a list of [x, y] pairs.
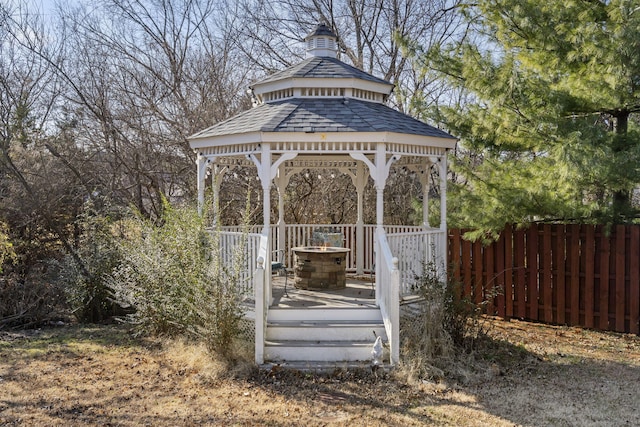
{"points": [[248, 329]]}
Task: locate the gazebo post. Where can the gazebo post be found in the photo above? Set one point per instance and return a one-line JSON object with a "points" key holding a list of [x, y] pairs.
{"points": [[202, 164], [264, 174], [380, 181], [216, 181], [267, 172], [379, 171], [424, 180], [265, 177], [360, 181], [281, 183], [443, 214]]}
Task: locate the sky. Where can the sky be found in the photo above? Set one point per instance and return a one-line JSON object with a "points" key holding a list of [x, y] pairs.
{"points": [[46, 7]]}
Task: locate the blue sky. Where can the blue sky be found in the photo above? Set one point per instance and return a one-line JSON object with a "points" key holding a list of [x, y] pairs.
{"points": [[46, 7]]}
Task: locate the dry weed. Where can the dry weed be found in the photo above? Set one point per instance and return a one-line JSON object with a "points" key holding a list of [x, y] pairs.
{"points": [[206, 367]]}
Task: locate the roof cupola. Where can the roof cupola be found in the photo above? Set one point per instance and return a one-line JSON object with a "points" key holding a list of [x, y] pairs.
{"points": [[321, 42]]}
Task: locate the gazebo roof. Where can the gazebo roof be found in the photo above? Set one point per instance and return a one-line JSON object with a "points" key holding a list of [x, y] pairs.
{"points": [[321, 115], [321, 30], [318, 100], [322, 67]]}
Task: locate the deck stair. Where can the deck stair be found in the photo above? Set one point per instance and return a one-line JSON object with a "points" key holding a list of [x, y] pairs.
{"points": [[309, 335]]}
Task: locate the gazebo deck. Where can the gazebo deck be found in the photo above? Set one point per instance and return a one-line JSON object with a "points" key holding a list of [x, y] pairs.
{"points": [[359, 292]]}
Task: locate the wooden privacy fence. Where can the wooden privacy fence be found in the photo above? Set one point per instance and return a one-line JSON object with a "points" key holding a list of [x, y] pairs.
{"points": [[583, 275]]}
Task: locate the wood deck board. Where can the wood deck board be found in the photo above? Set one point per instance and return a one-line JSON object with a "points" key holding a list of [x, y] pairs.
{"points": [[357, 293]]}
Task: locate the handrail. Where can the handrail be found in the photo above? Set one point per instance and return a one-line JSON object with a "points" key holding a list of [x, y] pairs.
{"points": [[388, 282], [261, 285]]}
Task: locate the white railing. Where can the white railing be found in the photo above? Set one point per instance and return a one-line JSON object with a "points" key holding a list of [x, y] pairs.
{"points": [[302, 234], [414, 247], [415, 252], [387, 294], [255, 230], [238, 252], [399, 255]]}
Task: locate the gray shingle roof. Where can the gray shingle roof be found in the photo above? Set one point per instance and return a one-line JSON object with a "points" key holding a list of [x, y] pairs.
{"points": [[321, 115], [322, 67], [321, 30]]}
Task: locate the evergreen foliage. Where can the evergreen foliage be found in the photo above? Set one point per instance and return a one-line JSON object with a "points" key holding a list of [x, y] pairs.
{"points": [[550, 127]]}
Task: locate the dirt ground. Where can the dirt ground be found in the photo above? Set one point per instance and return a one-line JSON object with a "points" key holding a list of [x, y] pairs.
{"points": [[529, 374]]}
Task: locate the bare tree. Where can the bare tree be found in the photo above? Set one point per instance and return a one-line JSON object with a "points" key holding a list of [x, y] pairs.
{"points": [[42, 179], [143, 76], [35, 199], [270, 35]]}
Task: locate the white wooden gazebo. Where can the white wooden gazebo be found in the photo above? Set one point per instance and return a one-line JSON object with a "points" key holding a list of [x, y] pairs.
{"points": [[323, 113]]}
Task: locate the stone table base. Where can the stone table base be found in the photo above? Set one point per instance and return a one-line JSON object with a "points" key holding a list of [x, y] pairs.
{"points": [[320, 268]]}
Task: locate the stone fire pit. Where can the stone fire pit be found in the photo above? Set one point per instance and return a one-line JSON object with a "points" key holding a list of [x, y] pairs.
{"points": [[319, 267]]}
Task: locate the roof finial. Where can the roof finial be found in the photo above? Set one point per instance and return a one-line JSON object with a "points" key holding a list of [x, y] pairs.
{"points": [[321, 41]]}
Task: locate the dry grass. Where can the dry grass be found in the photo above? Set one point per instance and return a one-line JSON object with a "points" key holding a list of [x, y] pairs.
{"points": [[528, 374]]}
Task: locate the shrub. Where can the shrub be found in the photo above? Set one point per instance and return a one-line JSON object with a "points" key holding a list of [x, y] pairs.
{"points": [[445, 326], [28, 296], [84, 274], [6, 247], [29, 300], [175, 280]]}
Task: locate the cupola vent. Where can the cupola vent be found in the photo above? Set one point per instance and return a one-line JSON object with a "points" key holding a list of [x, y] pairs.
{"points": [[321, 42]]}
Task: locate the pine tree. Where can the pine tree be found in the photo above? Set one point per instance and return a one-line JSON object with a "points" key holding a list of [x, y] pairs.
{"points": [[550, 126]]}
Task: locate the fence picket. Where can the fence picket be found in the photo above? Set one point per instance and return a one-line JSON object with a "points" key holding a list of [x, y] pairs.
{"points": [[520, 285], [574, 259], [508, 270], [619, 274], [490, 278], [589, 282], [478, 271], [547, 279], [466, 262], [532, 271], [604, 281], [634, 281], [499, 278], [559, 270], [454, 256]]}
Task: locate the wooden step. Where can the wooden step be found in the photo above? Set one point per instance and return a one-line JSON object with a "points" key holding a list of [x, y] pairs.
{"points": [[322, 335], [354, 314], [327, 367], [318, 351]]}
